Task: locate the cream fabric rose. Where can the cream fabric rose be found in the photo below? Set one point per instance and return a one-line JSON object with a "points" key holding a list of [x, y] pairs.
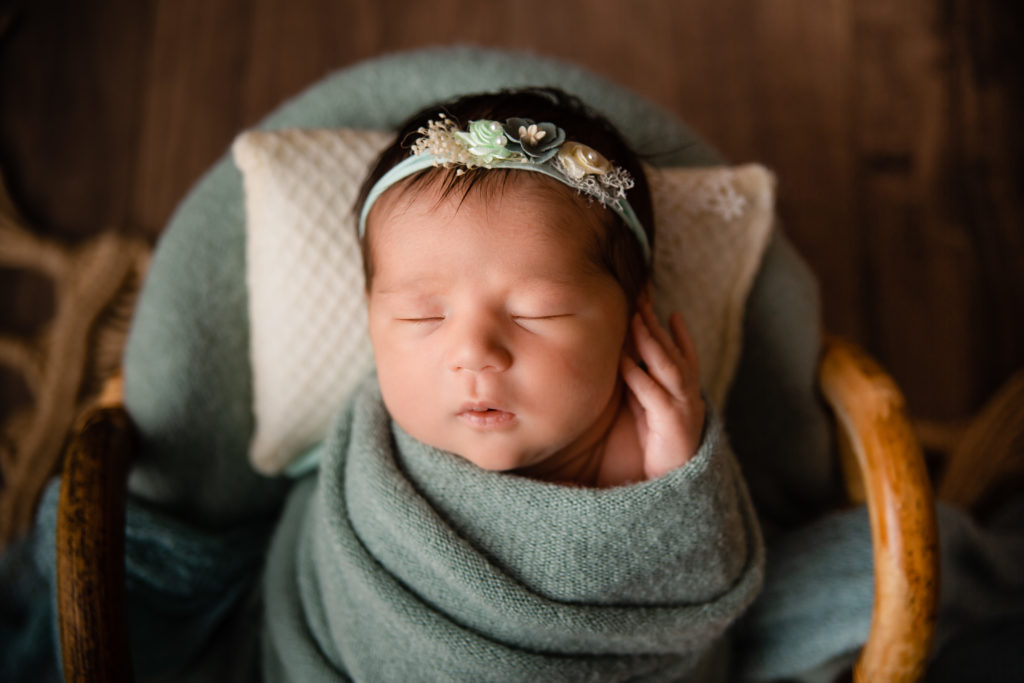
{"points": [[579, 160]]}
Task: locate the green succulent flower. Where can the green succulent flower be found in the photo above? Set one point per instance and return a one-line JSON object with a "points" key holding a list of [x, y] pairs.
{"points": [[486, 141]]}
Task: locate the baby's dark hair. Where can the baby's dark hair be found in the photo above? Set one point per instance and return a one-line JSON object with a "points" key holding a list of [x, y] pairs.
{"points": [[617, 250]]}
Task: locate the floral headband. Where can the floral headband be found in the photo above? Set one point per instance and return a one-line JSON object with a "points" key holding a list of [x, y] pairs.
{"points": [[519, 144]]}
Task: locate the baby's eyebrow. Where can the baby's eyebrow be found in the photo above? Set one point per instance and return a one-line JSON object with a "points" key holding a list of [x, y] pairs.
{"points": [[428, 287], [404, 294], [421, 286], [548, 283]]}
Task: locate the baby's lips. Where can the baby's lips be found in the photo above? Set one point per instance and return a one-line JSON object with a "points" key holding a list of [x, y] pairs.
{"points": [[480, 407], [483, 416]]}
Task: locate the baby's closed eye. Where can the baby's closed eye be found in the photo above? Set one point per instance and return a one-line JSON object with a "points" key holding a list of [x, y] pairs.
{"points": [[536, 322], [417, 321], [542, 308], [539, 316]]}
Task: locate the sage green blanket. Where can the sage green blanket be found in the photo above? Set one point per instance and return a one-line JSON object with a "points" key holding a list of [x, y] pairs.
{"points": [[398, 561]]}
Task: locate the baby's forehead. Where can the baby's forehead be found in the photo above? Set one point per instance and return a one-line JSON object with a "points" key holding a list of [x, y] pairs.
{"points": [[574, 218], [525, 233]]}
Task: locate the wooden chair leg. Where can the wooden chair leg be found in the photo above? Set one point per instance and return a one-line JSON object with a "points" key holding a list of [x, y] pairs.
{"points": [[874, 424], [90, 549]]}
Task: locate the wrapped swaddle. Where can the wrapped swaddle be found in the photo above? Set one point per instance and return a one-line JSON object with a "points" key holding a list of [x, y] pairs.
{"points": [[398, 561]]}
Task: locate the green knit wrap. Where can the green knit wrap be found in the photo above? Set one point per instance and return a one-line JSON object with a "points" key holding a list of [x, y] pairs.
{"points": [[398, 561]]}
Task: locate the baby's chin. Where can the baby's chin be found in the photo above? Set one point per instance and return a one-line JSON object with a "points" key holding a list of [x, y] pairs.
{"points": [[493, 451], [497, 461]]}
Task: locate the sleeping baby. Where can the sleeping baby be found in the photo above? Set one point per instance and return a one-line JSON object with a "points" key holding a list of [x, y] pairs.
{"points": [[531, 485]]}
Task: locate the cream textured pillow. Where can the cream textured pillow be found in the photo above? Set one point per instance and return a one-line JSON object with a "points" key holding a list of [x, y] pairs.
{"points": [[307, 318]]}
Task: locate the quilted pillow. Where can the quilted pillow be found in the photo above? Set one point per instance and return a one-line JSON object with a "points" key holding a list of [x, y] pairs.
{"points": [[308, 340]]}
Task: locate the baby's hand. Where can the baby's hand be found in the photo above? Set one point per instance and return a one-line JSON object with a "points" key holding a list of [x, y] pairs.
{"points": [[665, 398]]}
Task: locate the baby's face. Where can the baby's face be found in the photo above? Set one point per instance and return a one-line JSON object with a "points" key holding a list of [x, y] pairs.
{"points": [[495, 336]]}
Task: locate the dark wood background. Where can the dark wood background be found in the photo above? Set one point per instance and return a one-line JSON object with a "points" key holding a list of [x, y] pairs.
{"points": [[892, 126]]}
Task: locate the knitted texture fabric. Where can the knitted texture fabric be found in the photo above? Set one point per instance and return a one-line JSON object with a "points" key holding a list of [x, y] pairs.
{"points": [[402, 562], [308, 341]]}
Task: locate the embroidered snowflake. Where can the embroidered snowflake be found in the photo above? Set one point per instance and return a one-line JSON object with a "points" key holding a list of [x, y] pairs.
{"points": [[715, 194]]}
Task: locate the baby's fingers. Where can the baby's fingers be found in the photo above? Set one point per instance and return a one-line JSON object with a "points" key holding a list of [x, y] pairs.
{"points": [[664, 360], [650, 320], [684, 341], [635, 407], [650, 394]]}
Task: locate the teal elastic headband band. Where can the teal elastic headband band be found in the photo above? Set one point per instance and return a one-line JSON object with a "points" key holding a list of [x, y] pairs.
{"points": [[522, 145]]}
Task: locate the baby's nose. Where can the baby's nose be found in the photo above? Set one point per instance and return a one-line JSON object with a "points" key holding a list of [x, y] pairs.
{"points": [[476, 346]]}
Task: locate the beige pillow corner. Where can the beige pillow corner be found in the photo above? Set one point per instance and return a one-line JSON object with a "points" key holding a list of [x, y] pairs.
{"points": [[308, 345], [245, 150], [713, 225]]}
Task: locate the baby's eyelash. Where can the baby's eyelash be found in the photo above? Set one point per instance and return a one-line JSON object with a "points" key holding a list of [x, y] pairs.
{"points": [[428, 319], [540, 317]]}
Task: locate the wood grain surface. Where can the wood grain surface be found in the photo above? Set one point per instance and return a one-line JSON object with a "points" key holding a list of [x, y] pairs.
{"points": [[891, 126], [90, 549], [876, 431]]}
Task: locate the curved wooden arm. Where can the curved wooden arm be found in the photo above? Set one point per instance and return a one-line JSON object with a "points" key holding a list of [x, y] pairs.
{"points": [[90, 548], [875, 428]]}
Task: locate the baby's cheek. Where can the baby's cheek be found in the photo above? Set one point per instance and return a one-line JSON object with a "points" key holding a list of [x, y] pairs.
{"points": [[601, 353], [591, 373], [414, 414], [399, 386]]}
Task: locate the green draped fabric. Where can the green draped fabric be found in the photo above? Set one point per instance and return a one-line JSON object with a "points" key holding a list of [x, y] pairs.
{"points": [[403, 562]]}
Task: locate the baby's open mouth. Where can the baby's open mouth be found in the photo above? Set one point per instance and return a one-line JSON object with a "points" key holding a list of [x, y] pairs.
{"points": [[485, 416]]}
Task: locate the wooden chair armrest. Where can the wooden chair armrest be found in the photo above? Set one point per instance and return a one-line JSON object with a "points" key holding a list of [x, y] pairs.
{"points": [[875, 430], [90, 547]]}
